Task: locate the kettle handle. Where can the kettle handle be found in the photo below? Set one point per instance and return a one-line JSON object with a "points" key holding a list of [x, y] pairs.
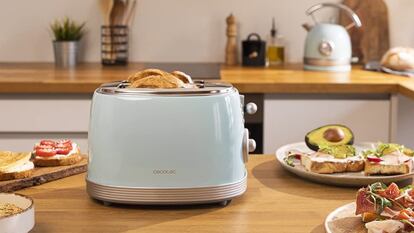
{"points": [[354, 17]]}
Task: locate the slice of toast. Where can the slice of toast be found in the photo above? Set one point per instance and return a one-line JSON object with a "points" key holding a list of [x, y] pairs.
{"points": [[329, 167], [372, 168], [15, 175], [51, 162]]}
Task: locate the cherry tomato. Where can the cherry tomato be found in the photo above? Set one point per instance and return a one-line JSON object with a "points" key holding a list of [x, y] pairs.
{"points": [[45, 152], [47, 142], [63, 150]]}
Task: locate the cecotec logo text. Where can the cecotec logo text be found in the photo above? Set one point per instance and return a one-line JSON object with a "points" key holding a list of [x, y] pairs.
{"points": [[164, 172]]}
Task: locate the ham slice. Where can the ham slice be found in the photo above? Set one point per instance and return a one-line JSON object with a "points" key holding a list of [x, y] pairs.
{"points": [[363, 203]]}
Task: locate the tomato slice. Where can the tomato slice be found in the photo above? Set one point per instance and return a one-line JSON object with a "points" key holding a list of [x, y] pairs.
{"points": [[64, 142], [45, 152], [39, 146], [63, 150], [47, 142]]}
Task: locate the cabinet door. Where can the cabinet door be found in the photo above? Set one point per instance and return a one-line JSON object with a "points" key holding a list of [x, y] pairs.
{"points": [[28, 118], [288, 118], [44, 113]]}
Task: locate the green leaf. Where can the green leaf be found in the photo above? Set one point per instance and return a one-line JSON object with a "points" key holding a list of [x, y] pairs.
{"points": [[67, 29]]}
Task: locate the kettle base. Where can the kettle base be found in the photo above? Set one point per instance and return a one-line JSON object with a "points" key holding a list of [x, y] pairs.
{"points": [[166, 196]]}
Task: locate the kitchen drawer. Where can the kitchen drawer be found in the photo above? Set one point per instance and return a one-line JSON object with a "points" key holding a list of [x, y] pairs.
{"points": [[287, 118], [45, 113]]}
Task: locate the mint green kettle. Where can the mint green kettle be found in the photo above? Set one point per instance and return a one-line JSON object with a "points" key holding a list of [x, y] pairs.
{"points": [[328, 45]]}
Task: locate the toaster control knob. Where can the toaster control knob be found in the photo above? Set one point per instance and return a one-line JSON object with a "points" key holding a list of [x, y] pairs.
{"points": [[326, 47], [251, 108], [252, 145]]}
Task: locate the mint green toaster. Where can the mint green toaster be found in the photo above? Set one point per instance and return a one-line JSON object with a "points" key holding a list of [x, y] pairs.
{"points": [[168, 146]]}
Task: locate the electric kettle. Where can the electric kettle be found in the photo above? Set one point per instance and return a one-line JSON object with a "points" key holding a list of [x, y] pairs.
{"points": [[327, 45]]}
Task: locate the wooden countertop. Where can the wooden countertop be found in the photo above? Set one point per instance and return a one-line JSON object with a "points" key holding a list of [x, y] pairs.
{"points": [[275, 201], [45, 78], [291, 78]]}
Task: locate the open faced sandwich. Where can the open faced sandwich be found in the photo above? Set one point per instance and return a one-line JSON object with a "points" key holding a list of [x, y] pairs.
{"points": [[388, 159], [333, 152], [333, 159], [155, 78], [15, 165], [49, 153], [386, 209]]}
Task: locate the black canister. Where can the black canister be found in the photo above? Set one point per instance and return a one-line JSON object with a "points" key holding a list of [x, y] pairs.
{"points": [[254, 51]]}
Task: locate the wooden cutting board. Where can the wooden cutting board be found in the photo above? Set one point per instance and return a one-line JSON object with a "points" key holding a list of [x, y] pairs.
{"points": [[44, 174], [372, 40]]}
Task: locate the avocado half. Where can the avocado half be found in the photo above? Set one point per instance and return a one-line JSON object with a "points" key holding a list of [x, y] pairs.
{"points": [[329, 135]]}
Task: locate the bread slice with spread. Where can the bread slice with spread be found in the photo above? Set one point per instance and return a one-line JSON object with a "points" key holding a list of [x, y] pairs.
{"points": [[15, 165], [333, 159], [388, 159], [50, 153]]}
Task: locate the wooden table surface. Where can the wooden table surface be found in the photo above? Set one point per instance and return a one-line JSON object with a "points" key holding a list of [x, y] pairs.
{"points": [[275, 201], [290, 78]]}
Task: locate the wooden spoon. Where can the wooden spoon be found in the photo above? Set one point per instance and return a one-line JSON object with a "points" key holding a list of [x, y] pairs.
{"points": [[106, 8]]}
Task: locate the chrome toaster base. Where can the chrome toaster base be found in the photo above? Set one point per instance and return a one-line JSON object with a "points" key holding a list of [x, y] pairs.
{"points": [[166, 196]]}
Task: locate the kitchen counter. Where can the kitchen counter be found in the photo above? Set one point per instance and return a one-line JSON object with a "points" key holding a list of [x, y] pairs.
{"points": [[44, 78], [291, 78], [275, 201]]}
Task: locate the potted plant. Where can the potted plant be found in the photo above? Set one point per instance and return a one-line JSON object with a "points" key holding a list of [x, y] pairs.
{"points": [[67, 34]]}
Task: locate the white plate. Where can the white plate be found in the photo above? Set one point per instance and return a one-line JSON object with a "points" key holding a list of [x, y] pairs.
{"points": [[340, 179], [344, 211], [18, 223]]}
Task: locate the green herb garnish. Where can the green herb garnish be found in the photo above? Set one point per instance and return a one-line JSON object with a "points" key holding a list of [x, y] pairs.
{"points": [[387, 148]]}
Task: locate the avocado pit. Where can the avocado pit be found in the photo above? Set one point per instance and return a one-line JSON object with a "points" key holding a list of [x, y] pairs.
{"points": [[334, 134]]}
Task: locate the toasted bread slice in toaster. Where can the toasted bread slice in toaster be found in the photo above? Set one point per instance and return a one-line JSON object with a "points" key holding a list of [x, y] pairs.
{"points": [[182, 76], [156, 81], [145, 73], [332, 166]]}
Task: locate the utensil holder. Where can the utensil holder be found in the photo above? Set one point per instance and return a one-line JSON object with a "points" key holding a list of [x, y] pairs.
{"points": [[114, 45]]}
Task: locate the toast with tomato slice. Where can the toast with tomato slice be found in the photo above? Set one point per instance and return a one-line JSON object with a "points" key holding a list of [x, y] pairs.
{"points": [[50, 153], [15, 165]]}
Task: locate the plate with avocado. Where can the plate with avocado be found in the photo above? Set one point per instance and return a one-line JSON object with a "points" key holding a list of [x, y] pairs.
{"points": [[329, 155]]}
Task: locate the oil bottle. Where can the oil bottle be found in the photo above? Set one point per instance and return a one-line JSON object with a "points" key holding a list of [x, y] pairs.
{"points": [[276, 47]]}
